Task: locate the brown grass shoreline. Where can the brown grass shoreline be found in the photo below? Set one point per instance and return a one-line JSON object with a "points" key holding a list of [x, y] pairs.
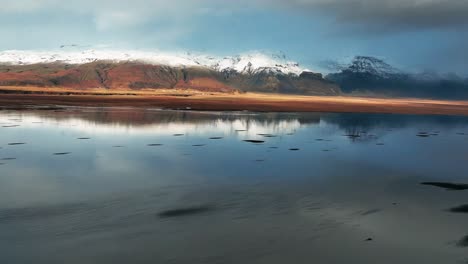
{"points": [[184, 99]]}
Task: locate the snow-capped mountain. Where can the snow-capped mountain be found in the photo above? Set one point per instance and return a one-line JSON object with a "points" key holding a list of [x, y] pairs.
{"points": [[254, 63], [372, 65], [369, 75], [249, 63], [70, 67]]}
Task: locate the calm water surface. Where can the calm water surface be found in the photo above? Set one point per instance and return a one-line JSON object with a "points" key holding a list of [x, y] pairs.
{"points": [[94, 185]]}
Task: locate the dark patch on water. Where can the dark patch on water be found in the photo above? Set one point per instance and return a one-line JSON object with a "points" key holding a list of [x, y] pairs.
{"points": [[294, 149], [8, 159], [267, 135], [372, 211], [16, 143], [179, 212], [352, 136], [423, 134], [241, 130], [463, 242], [380, 144], [199, 145], [369, 239], [118, 146], [178, 135], [448, 185], [216, 137], [273, 147], [459, 209], [154, 145], [11, 126], [83, 138], [61, 153], [254, 141]]}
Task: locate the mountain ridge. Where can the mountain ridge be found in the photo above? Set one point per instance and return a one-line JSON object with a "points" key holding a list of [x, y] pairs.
{"points": [[248, 72], [244, 63], [369, 75], [138, 75]]}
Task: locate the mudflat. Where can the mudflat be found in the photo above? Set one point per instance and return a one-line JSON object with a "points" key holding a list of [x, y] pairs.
{"points": [[186, 99]]}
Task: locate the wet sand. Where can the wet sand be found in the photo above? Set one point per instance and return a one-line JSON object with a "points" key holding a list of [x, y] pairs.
{"points": [[187, 100]]}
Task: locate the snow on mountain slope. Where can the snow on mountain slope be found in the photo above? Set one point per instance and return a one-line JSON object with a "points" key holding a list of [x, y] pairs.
{"points": [[246, 63], [252, 63], [375, 66]]}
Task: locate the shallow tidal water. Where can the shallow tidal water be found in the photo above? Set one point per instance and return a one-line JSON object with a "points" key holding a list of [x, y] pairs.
{"points": [[122, 185]]}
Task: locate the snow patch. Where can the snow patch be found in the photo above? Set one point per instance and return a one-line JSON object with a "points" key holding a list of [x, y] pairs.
{"points": [[248, 63]]}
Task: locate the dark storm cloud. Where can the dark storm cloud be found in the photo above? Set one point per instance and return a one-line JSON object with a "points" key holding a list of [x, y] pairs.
{"points": [[388, 14]]}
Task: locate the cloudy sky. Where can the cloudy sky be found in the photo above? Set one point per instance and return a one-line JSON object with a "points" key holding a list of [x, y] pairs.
{"points": [[411, 34]]}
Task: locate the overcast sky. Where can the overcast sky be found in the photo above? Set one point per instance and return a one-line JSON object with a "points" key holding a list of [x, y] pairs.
{"points": [[411, 34]]}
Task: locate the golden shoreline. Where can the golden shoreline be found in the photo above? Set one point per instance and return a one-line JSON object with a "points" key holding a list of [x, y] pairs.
{"points": [[197, 100]]}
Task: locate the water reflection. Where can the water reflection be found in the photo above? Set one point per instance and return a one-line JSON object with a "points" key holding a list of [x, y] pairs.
{"points": [[123, 185]]}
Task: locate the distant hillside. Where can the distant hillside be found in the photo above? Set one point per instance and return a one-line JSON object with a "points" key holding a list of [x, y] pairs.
{"points": [[255, 73], [374, 76], [133, 75]]}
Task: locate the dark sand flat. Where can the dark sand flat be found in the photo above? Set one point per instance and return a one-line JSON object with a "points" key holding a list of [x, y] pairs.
{"points": [[247, 101]]}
